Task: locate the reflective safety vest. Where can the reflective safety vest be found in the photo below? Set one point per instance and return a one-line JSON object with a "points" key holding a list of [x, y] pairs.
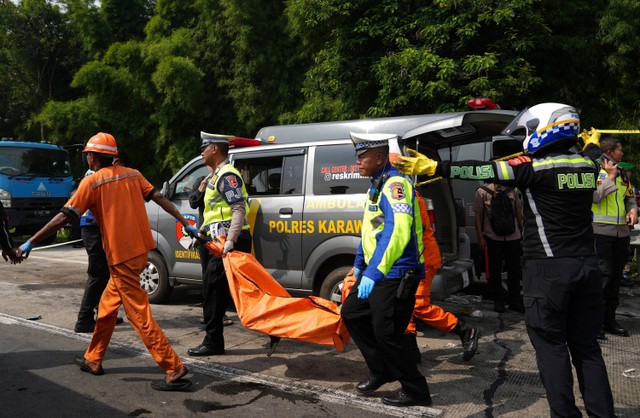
{"points": [[216, 207], [611, 210], [391, 231]]}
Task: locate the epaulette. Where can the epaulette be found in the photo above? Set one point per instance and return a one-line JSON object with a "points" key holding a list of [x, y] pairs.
{"points": [[519, 160]]}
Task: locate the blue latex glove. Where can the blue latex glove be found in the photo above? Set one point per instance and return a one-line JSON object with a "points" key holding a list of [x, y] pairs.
{"points": [[192, 231], [357, 273], [365, 287], [26, 248]]}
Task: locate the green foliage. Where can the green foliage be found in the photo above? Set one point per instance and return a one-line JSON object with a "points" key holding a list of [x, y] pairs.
{"points": [[37, 57], [156, 72]]}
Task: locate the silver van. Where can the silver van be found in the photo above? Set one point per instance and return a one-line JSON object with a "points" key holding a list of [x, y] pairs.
{"points": [[307, 199]]}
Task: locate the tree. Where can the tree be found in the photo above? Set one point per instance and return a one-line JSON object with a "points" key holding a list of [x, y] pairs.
{"points": [[39, 55], [90, 27], [391, 57]]}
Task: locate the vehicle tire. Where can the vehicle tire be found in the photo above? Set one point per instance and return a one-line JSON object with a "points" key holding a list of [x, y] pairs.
{"points": [[331, 288], [155, 279]]}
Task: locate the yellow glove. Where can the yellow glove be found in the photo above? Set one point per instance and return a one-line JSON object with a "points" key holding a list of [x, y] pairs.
{"points": [[416, 163], [591, 137]]}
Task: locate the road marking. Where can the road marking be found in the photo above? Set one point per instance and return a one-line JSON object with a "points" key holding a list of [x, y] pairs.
{"points": [[58, 258], [239, 375]]}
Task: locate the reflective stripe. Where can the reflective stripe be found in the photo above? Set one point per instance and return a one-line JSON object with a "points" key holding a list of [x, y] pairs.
{"points": [[608, 219], [550, 163], [543, 236], [504, 171], [115, 178], [102, 147]]}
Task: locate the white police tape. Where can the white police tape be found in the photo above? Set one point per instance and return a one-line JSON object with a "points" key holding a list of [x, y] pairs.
{"points": [[46, 247]]}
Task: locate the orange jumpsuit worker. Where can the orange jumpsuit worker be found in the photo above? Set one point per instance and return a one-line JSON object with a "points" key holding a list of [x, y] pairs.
{"points": [[116, 195], [432, 314]]}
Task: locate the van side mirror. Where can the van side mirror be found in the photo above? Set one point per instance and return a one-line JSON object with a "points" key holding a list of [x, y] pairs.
{"points": [[168, 190]]}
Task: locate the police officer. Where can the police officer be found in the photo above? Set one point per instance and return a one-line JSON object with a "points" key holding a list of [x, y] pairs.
{"points": [[562, 282], [614, 210], [226, 204], [389, 259]]}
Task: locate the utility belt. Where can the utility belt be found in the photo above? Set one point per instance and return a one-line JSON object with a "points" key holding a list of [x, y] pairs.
{"points": [[215, 229]]}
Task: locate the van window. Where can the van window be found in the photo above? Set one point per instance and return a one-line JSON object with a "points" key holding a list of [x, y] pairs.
{"points": [[293, 175], [271, 175], [336, 172], [186, 183]]}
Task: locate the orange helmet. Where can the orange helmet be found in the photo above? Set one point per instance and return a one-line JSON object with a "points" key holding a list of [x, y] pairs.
{"points": [[103, 143]]}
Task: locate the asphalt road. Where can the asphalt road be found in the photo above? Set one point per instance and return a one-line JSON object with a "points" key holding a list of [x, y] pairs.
{"points": [[299, 380]]}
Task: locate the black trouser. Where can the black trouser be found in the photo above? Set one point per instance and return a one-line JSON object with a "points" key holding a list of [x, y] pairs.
{"points": [[97, 273], [204, 262], [511, 253], [563, 314], [377, 326], [217, 296], [612, 256]]}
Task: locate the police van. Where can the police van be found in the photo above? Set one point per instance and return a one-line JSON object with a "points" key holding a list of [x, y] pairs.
{"points": [[307, 199]]}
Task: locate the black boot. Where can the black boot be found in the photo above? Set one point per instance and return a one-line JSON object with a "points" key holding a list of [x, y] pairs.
{"points": [[469, 336]]}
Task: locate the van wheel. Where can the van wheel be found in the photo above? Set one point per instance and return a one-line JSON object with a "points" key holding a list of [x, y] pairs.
{"points": [[332, 285], [155, 279]]}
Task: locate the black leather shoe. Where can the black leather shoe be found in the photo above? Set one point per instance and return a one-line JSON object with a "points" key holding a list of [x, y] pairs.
{"points": [[615, 329], [205, 350], [370, 385], [402, 398], [469, 337]]}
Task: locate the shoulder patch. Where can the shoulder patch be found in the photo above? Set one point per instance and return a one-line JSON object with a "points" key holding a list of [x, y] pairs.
{"points": [[519, 160], [231, 180], [397, 190]]}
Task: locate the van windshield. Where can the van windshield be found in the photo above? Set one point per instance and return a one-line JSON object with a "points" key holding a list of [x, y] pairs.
{"points": [[24, 161]]}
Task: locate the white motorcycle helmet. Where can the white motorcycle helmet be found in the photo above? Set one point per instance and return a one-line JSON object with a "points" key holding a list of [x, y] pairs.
{"points": [[544, 125]]}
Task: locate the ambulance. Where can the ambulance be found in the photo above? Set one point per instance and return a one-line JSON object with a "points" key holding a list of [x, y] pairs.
{"points": [[307, 200]]}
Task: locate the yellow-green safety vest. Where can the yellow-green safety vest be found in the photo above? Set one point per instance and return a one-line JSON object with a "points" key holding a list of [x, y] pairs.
{"points": [[611, 210], [216, 208]]}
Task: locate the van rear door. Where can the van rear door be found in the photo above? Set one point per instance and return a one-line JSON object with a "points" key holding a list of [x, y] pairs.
{"points": [[470, 133]]}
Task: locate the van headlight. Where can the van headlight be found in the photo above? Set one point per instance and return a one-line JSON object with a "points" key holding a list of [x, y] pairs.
{"points": [[5, 198]]}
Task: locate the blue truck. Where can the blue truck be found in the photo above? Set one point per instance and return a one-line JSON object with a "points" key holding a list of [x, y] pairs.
{"points": [[35, 182]]}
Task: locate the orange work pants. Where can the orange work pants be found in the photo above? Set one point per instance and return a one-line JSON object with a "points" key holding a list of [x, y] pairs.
{"points": [[124, 288], [430, 314]]}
